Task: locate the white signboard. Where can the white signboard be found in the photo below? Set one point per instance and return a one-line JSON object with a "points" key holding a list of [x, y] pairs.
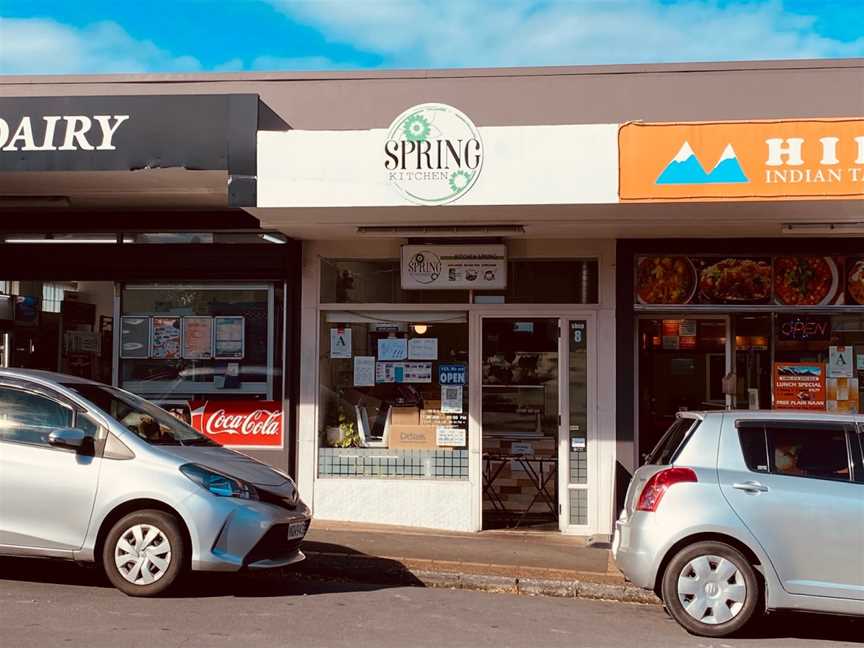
{"points": [[840, 362], [521, 165], [423, 349], [450, 437], [364, 371], [340, 343], [454, 267]]}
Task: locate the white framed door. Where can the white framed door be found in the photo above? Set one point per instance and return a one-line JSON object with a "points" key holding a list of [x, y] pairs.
{"points": [[578, 456], [569, 413]]}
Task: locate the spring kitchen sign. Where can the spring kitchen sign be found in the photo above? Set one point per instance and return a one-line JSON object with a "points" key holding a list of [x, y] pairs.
{"points": [[433, 154]]}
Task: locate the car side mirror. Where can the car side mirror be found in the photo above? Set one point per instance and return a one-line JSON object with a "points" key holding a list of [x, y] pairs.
{"points": [[71, 438]]}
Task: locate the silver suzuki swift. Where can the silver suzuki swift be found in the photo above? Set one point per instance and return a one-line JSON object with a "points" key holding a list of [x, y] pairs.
{"points": [[92, 473], [740, 512]]}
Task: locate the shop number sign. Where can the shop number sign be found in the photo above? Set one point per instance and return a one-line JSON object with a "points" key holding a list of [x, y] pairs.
{"points": [[240, 423], [451, 374]]}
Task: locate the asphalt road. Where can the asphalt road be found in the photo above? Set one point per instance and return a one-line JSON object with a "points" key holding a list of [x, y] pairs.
{"points": [[45, 604]]}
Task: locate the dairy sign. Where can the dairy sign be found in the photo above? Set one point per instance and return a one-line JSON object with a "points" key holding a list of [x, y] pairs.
{"points": [[432, 154], [454, 267], [764, 160], [240, 423]]}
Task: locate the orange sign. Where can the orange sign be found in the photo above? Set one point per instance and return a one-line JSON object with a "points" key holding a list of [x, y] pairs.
{"points": [[799, 385], [767, 160]]}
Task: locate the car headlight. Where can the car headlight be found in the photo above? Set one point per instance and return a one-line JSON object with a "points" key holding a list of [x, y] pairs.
{"points": [[219, 484]]}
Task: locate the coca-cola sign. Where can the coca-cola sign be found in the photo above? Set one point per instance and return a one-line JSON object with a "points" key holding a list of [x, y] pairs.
{"points": [[240, 423]]}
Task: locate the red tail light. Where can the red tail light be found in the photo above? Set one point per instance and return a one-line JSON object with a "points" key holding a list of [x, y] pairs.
{"points": [[659, 483]]}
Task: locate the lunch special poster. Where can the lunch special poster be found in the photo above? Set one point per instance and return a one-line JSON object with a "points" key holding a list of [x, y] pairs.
{"points": [[799, 385], [780, 280]]}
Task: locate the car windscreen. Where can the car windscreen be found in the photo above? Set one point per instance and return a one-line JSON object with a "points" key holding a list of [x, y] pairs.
{"points": [[152, 424], [670, 445]]}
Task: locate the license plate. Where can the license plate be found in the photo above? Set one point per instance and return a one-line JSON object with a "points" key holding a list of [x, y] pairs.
{"points": [[297, 530]]}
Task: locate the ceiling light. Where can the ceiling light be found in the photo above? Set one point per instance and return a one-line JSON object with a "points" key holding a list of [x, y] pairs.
{"points": [[420, 329], [61, 240], [441, 230], [272, 238]]}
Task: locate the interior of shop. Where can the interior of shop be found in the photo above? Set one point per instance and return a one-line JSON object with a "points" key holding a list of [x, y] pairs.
{"points": [[761, 332], [58, 326], [177, 343]]}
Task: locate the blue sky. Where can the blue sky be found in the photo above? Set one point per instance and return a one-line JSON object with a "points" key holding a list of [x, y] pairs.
{"points": [[101, 36]]}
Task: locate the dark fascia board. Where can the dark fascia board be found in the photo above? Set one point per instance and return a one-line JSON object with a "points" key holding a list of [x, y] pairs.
{"points": [[196, 132], [356, 75]]}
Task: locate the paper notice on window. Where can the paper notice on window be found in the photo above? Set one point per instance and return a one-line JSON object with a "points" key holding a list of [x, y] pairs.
{"points": [[423, 349], [449, 437], [392, 349], [385, 372], [451, 399], [340, 342], [364, 371], [840, 362]]}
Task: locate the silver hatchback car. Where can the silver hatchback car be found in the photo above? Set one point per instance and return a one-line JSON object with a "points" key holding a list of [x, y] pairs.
{"points": [[740, 512], [92, 473]]}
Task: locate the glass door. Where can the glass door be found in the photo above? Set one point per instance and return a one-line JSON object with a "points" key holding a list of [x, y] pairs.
{"points": [[520, 422], [537, 415]]}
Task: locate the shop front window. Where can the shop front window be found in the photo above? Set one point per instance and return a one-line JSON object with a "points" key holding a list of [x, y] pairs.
{"points": [[682, 363], [202, 350], [393, 395]]}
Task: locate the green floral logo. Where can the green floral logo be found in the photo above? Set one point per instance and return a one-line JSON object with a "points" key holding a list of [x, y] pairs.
{"points": [[433, 154], [416, 128]]}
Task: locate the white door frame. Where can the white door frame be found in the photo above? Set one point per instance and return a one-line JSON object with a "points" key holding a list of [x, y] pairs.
{"points": [[564, 315]]}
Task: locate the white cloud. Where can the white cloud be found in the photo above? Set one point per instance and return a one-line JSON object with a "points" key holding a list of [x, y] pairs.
{"points": [[43, 46], [447, 33]]}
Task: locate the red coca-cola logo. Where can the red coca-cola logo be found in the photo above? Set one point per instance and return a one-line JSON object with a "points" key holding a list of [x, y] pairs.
{"points": [[240, 423]]}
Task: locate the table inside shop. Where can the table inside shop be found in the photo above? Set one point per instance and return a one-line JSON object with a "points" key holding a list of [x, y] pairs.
{"points": [[546, 471]]}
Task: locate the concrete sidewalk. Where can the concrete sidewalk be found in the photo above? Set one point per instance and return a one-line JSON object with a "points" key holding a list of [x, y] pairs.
{"points": [[530, 562]]}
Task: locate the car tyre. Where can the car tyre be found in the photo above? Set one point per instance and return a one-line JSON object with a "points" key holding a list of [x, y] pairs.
{"points": [[144, 553], [711, 589]]}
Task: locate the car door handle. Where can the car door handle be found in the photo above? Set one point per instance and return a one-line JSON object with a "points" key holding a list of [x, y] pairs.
{"points": [[751, 487]]}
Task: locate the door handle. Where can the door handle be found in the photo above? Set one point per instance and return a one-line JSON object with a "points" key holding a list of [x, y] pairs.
{"points": [[751, 487]]}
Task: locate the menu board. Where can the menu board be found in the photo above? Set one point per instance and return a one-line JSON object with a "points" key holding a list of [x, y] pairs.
{"points": [[134, 337], [749, 280], [229, 337], [799, 385], [165, 338], [197, 338]]}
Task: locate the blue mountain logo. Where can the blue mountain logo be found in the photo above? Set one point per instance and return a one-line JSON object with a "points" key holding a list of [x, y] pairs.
{"points": [[685, 169]]}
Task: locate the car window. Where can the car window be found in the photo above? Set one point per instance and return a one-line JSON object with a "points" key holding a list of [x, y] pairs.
{"points": [[89, 426], [148, 422], [673, 440], [808, 451], [754, 447], [27, 417]]}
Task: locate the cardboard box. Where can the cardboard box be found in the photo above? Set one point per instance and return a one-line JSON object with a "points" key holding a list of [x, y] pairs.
{"points": [[413, 436], [404, 416], [432, 404]]}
